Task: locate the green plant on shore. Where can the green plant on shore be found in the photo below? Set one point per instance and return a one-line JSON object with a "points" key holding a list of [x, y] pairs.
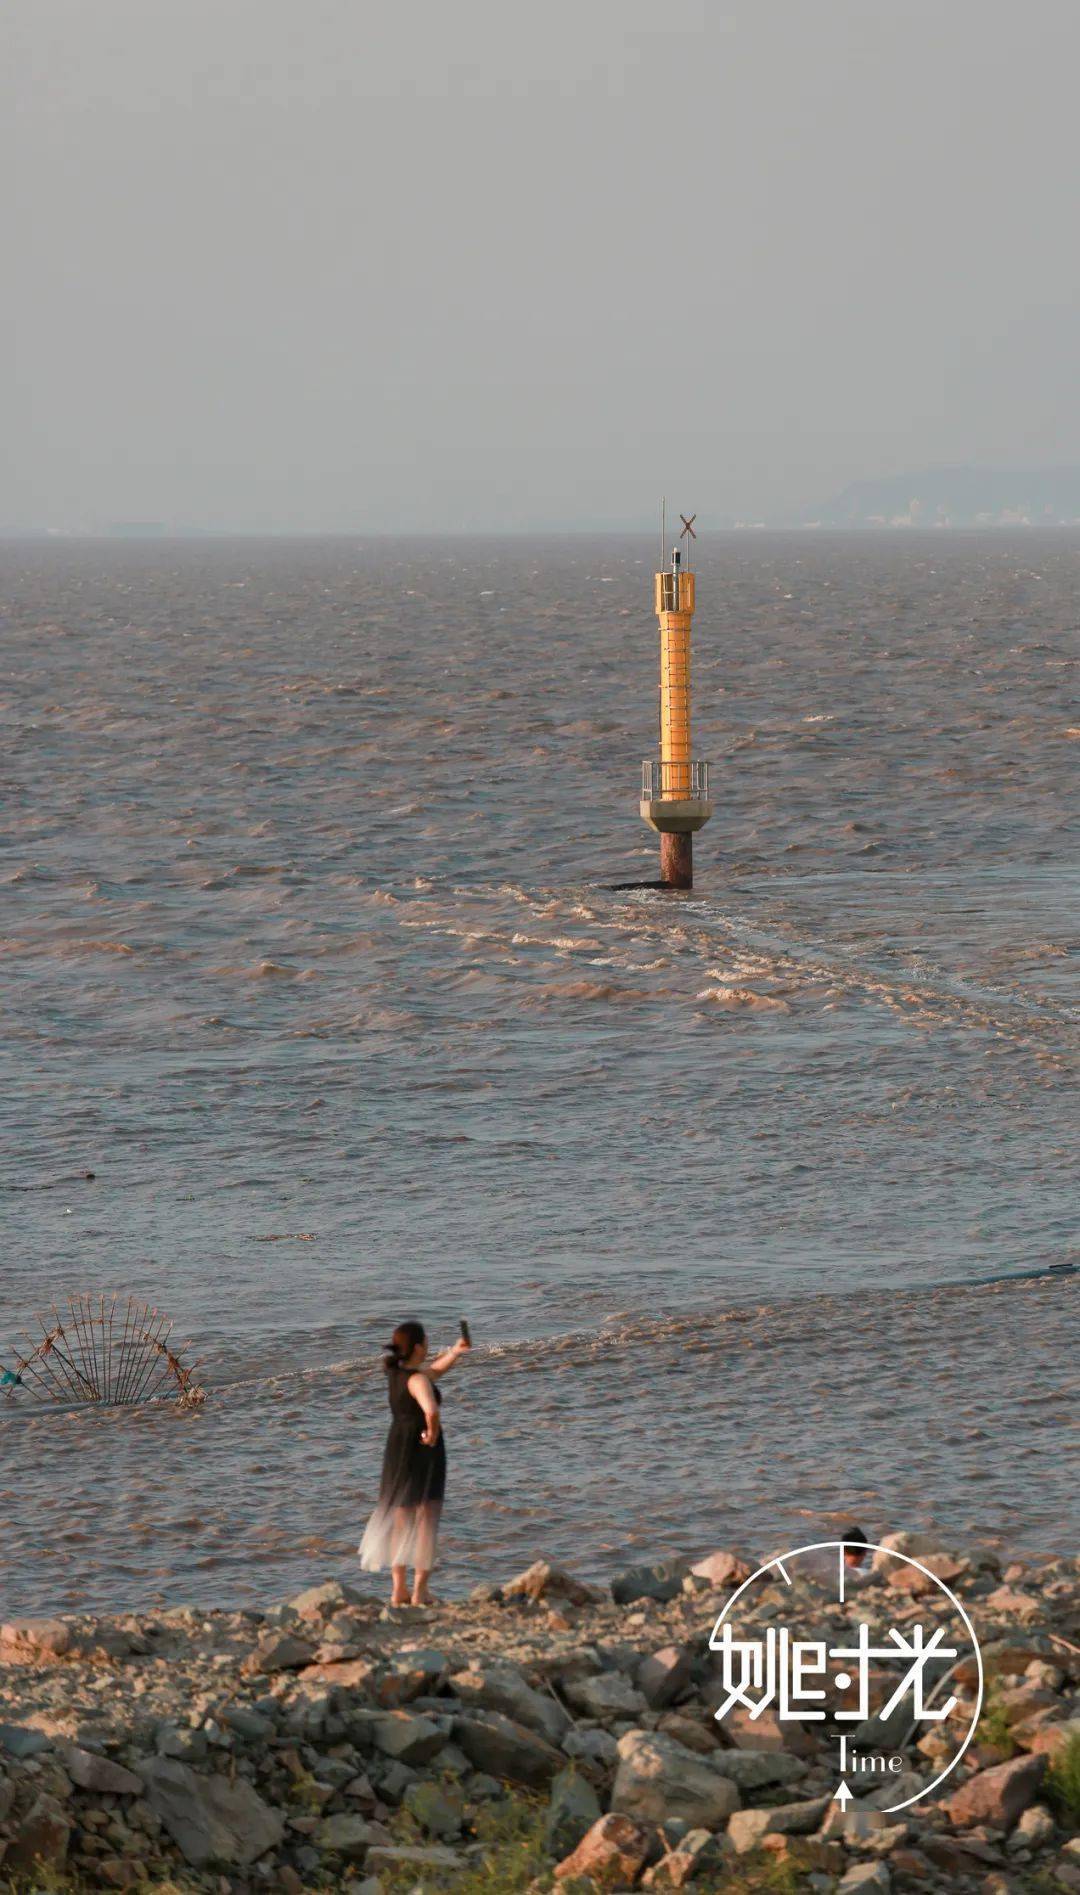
{"points": [[1062, 1785], [56, 1881], [756, 1874], [511, 1833], [994, 1727], [305, 1794], [50, 1879], [45, 1879]]}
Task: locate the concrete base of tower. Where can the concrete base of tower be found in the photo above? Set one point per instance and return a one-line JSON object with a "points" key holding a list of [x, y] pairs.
{"points": [[677, 860], [669, 815]]}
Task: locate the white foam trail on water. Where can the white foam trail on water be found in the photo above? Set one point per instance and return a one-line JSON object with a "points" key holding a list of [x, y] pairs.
{"points": [[611, 1335]]}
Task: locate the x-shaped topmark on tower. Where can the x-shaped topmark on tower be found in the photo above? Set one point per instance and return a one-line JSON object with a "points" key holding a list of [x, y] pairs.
{"points": [[688, 526]]}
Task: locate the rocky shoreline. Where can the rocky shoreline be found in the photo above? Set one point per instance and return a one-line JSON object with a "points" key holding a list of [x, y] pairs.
{"points": [[542, 1734]]}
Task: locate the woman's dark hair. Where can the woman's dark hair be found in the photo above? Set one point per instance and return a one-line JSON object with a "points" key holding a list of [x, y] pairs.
{"points": [[401, 1344]]}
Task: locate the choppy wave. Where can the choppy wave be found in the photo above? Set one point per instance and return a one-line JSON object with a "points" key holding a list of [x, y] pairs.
{"points": [[896, 1408]]}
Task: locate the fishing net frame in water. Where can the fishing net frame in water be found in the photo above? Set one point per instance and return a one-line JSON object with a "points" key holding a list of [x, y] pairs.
{"points": [[96, 1354]]}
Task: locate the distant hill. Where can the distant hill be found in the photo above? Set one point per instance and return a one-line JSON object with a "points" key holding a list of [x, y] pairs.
{"points": [[956, 496]]}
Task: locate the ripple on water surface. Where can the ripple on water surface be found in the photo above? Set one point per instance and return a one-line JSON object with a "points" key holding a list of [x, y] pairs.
{"points": [[312, 957]]}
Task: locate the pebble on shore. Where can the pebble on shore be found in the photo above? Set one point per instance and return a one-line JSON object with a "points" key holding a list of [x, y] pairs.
{"points": [[334, 1741]]}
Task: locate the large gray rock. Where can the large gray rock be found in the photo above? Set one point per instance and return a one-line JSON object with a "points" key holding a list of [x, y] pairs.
{"points": [[755, 1769], [1033, 1831], [544, 1581], [22, 1740], [345, 1835], [36, 1641], [278, 1651], [721, 1570], [394, 1778], [438, 1811], [384, 1859], [309, 1707], [500, 1747], [1055, 1738], [606, 1695], [747, 1826], [574, 1808], [320, 1602], [360, 1721], [866, 1878], [410, 1674], [896, 1789], [410, 1738], [767, 1731], [912, 1545], [91, 1772], [999, 1795], [501, 1688], [252, 1726], [696, 1732], [664, 1674], [317, 1602], [592, 1746], [882, 1734], [660, 1581], [175, 1740], [348, 1674], [658, 1778], [210, 1819]]}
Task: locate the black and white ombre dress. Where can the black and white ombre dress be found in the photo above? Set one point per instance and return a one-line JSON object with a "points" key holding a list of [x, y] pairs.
{"points": [[404, 1528]]}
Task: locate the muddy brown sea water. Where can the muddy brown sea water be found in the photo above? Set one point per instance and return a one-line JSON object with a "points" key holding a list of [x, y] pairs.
{"points": [[310, 952]]}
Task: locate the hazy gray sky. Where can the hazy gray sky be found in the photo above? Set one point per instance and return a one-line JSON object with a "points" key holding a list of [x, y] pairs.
{"points": [[486, 263]]}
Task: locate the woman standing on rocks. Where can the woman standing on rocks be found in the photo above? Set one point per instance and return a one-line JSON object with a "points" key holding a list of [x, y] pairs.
{"points": [[403, 1531]]}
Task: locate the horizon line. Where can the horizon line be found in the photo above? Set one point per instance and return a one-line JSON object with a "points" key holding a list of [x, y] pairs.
{"points": [[733, 529]]}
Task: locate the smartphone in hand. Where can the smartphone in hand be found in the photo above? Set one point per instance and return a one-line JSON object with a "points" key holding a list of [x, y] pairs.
{"points": [[465, 1336]]}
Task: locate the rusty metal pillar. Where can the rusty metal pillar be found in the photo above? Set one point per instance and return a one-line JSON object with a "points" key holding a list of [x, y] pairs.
{"points": [[677, 861]]}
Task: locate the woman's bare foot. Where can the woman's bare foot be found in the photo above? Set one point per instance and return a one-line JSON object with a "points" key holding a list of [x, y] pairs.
{"points": [[421, 1595], [400, 1593]]}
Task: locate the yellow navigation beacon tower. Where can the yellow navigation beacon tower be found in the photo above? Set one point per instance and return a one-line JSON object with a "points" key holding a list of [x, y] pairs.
{"points": [[675, 789]]}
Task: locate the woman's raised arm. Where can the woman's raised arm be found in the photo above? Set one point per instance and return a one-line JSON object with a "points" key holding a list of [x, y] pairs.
{"points": [[448, 1357]]}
